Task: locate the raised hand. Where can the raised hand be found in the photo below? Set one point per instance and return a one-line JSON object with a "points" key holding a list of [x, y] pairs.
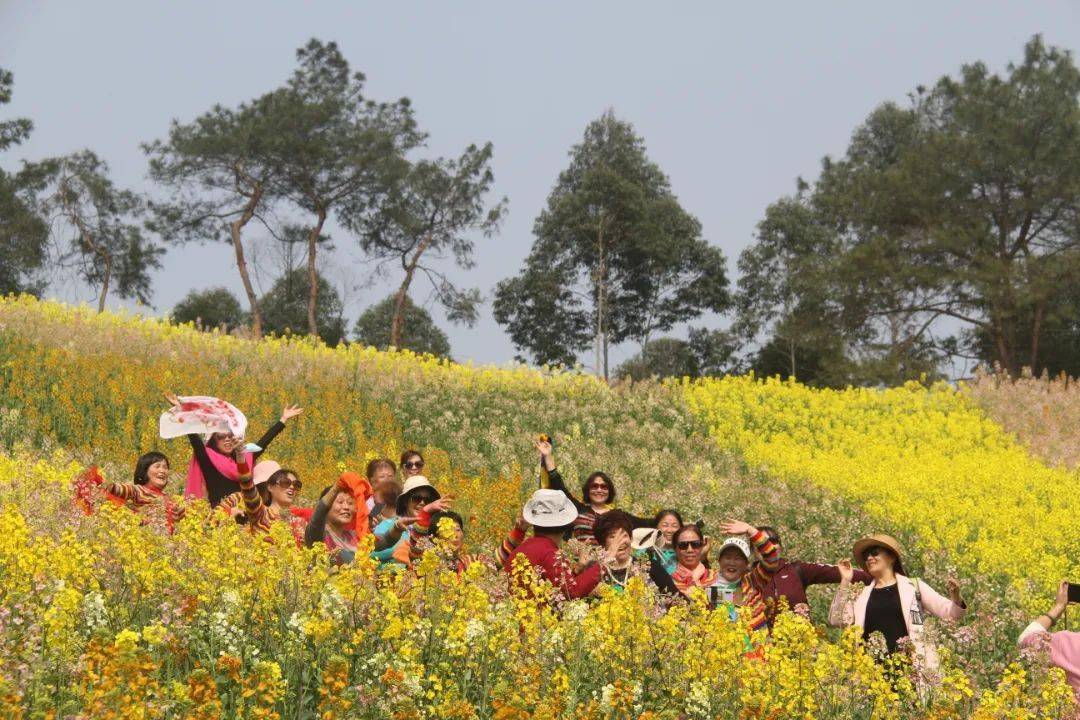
{"points": [[290, 412], [546, 451], [173, 400], [847, 573], [402, 523], [737, 527], [1062, 599], [953, 585], [444, 503]]}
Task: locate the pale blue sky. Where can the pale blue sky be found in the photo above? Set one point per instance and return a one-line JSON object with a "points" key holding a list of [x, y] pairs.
{"points": [[734, 101]]}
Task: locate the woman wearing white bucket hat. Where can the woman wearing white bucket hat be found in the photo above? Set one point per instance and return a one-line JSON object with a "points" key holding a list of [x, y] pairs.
{"points": [[551, 513]]}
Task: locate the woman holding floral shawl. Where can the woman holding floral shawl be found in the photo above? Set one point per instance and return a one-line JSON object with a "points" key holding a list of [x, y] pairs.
{"points": [[215, 429]]}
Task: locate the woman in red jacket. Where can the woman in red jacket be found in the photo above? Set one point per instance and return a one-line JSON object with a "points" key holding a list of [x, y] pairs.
{"points": [[551, 513]]}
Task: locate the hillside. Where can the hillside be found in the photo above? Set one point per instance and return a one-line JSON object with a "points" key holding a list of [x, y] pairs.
{"points": [[204, 621]]}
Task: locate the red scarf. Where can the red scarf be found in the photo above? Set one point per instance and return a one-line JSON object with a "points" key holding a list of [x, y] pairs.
{"points": [[701, 576]]}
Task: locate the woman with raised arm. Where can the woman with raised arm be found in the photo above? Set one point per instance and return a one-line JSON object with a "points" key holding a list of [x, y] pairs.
{"points": [[269, 492], [598, 492], [213, 473], [332, 522], [893, 605]]}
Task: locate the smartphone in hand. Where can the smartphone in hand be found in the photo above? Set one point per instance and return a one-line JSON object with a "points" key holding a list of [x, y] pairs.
{"points": [[1074, 592]]}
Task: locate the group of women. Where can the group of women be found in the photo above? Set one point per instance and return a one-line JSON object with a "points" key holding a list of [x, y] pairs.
{"points": [[401, 509]]}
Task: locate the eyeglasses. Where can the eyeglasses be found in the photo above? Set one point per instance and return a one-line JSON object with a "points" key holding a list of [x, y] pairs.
{"points": [[286, 484], [687, 544], [598, 486], [413, 464]]}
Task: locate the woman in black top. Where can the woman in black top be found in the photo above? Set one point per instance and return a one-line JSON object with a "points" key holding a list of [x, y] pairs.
{"points": [[597, 492], [218, 484], [885, 615]]}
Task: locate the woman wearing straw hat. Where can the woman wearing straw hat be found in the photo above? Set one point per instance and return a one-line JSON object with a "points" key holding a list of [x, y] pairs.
{"points": [[893, 604], [392, 541]]}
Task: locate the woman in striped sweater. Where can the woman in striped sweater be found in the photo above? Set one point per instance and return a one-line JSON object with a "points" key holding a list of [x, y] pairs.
{"points": [[598, 492], [148, 489], [269, 492]]}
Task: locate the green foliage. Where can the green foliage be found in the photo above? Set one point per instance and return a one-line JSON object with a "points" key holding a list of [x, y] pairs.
{"points": [[333, 145], [704, 352], [210, 309], [963, 206], [284, 307], [99, 234], [23, 233], [432, 209], [419, 332], [218, 171], [628, 259]]}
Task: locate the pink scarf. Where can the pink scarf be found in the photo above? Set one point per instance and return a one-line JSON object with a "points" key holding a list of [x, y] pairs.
{"points": [[225, 464]]}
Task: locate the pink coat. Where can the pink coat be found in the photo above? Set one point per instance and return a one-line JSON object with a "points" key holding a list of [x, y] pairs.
{"points": [[1064, 649], [846, 611]]}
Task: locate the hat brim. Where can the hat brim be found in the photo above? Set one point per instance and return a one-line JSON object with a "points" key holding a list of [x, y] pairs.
{"points": [[866, 543], [644, 538], [403, 499], [552, 520], [726, 546]]}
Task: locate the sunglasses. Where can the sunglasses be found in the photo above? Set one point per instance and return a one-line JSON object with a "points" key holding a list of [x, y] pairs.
{"points": [[874, 551], [413, 464], [598, 485], [423, 499], [286, 484], [687, 544]]}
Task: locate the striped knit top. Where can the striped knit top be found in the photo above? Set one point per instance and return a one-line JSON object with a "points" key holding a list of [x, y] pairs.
{"points": [[136, 497], [761, 573], [260, 516]]}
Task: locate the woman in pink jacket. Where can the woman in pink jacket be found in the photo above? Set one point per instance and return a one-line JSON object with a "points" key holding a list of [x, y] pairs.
{"points": [[893, 604]]}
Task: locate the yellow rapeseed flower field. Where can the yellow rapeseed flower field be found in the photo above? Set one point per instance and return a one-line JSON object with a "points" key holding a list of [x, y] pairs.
{"points": [[924, 459], [107, 615]]}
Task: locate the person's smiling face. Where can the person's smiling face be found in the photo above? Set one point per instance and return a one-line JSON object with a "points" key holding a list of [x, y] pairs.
{"points": [[668, 526], [343, 510], [598, 492], [878, 560], [157, 475], [733, 564]]}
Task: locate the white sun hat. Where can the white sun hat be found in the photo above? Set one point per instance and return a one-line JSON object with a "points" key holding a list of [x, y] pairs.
{"points": [[412, 485], [549, 509], [644, 538], [736, 542]]}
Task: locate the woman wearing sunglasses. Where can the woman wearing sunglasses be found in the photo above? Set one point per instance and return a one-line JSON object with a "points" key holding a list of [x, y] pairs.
{"points": [[893, 604], [412, 464], [598, 492], [732, 581], [392, 537], [269, 492]]}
